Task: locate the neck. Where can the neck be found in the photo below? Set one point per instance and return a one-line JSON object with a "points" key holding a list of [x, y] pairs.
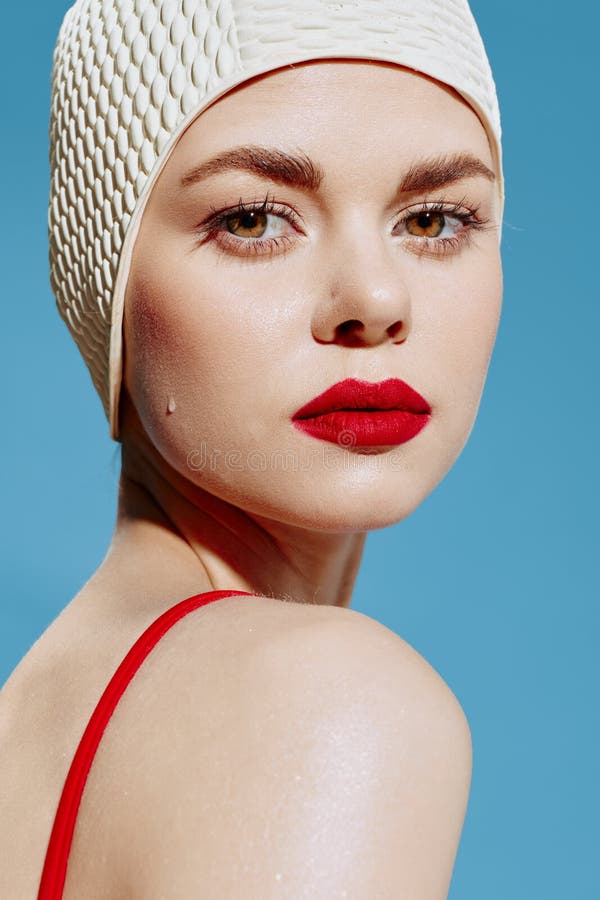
{"points": [[176, 527]]}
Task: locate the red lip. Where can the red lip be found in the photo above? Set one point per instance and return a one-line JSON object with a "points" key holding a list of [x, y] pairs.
{"points": [[354, 394], [359, 413]]}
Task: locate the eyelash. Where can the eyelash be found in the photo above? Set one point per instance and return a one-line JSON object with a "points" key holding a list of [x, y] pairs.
{"points": [[214, 228]]}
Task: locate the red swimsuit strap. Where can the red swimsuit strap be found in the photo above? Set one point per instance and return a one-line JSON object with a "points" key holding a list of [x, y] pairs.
{"points": [[55, 865]]}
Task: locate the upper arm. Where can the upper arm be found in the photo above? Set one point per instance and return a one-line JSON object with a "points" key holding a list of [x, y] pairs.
{"points": [[327, 761]]}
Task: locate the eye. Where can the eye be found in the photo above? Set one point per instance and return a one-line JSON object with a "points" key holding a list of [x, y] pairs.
{"points": [[438, 229], [251, 228], [254, 223], [426, 224]]}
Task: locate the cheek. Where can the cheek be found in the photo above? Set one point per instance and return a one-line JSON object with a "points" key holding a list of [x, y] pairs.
{"points": [[150, 341], [161, 350], [193, 343], [478, 319], [458, 321], [466, 321]]}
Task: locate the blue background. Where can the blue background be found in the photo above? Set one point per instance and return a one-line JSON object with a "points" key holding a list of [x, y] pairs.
{"points": [[497, 584]]}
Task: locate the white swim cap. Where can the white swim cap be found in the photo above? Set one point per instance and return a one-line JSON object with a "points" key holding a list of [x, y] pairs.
{"points": [[130, 75]]}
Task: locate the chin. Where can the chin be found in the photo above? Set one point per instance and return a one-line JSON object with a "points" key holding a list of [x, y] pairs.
{"points": [[333, 490], [341, 505]]}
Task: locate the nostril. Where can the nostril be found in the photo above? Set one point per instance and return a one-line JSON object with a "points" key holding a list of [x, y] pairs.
{"points": [[349, 325], [395, 329], [347, 333]]}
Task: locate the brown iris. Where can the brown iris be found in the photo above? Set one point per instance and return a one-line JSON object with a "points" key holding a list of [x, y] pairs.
{"points": [[251, 224], [426, 224]]}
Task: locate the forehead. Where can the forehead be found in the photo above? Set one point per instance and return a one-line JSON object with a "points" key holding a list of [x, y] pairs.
{"points": [[341, 113]]}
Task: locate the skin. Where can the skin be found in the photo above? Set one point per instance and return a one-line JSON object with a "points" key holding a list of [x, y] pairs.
{"points": [[220, 350]]}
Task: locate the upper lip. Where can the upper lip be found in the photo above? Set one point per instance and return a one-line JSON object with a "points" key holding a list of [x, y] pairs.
{"points": [[353, 394]]}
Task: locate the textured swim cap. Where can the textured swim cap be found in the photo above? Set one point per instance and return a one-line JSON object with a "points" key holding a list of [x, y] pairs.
{"points": [[129, 76]]}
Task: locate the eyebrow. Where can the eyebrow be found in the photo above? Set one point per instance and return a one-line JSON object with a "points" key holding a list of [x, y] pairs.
{"points": [[268, 162], [301, 172], [439, 171]]}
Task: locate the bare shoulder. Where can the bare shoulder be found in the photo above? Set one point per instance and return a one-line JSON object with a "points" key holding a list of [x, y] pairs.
{"points": [[286, 751]]}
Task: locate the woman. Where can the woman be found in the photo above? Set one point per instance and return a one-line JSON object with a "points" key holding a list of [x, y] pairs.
{"points": [[275, 239]]}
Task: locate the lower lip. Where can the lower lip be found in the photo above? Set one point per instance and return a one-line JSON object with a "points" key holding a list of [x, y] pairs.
{"points": [[372, 428]]}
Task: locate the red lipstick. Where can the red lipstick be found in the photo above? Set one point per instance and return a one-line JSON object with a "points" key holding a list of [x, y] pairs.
{"points": [[358, 413]]}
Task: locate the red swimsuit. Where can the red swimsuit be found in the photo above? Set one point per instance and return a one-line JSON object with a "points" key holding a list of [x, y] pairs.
{"points": [[57, 855]]}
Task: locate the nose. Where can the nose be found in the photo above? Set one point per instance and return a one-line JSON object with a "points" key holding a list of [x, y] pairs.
{"points": [[365, 301]]}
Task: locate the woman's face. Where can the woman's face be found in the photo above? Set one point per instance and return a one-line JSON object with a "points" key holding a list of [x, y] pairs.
{"points": [[259, 281]]}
